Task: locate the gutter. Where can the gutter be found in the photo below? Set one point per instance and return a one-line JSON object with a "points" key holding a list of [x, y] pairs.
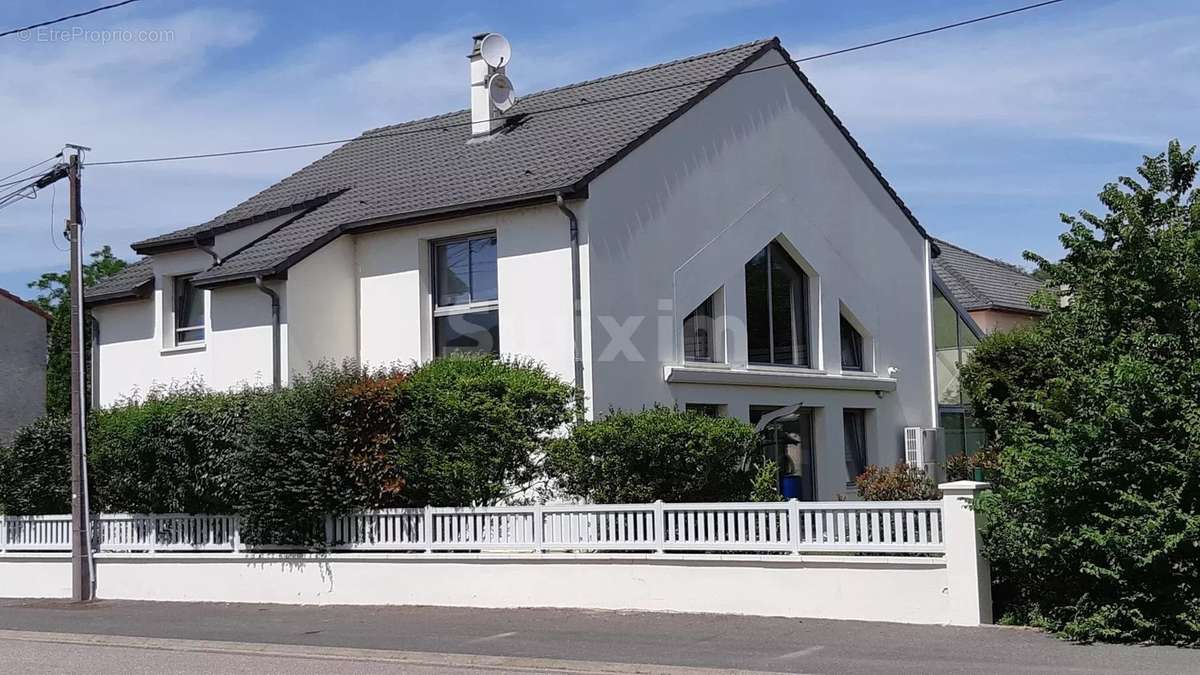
{"points": [[276, 370], [576, 304]]}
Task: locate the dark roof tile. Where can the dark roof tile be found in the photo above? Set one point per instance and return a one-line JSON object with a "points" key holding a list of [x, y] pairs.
{"points": [[977, 282]]}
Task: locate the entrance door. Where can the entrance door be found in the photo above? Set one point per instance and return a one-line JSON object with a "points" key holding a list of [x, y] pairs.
{"points": [[788, 441]]}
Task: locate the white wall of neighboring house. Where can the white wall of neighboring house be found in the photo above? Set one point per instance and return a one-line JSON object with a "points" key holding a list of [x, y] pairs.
{"points": [[533, 273], [679, 217], [136, 353]]}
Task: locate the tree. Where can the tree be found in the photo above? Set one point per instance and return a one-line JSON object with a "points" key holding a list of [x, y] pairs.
{"points": [[55, 298], [1095, 531]]}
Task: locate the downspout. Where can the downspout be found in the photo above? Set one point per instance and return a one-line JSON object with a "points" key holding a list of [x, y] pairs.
{"points": [[207, 249], [576, 305], [275, 355], [94, 399]]}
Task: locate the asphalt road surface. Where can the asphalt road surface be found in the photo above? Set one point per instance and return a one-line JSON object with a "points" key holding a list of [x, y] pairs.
{"points": [[136, 637]]}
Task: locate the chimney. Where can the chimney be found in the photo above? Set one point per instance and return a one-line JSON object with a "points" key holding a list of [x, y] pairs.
{"points": [[491, 90]]}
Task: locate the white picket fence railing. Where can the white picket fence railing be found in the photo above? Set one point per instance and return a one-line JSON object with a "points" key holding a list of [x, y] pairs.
{"points": [[797, 527]]}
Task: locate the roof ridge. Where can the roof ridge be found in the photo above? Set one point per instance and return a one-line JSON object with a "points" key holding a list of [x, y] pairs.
{"points": [[583, 83]]}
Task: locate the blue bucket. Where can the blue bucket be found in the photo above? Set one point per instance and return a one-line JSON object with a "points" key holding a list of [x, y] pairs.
{"points": [[790, 486]]}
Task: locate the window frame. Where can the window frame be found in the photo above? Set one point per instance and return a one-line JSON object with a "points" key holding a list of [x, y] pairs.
{"points": [[438, 310], [176, 328]]}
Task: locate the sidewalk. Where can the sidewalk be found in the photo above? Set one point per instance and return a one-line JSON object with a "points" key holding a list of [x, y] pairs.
{"points": [[441, 639]]}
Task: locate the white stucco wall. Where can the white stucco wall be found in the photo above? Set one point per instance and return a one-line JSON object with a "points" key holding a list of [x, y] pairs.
{"points": [[906, 590], [322, 307], [680, 216], [533, 276], [135, 356]]}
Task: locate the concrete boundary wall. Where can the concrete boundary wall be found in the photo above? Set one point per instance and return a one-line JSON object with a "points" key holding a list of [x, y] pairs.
{"points": [[872, 588], [953, 587]]}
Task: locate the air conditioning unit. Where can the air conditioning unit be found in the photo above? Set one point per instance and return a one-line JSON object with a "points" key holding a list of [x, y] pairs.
{"points": [[921, 449], [914, 446]]}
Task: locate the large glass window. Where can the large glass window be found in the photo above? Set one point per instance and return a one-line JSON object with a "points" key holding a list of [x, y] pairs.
{"points": [[789, 441], [776, 308], [852, 346], [188, 311], [698, 333], [466, 302]]}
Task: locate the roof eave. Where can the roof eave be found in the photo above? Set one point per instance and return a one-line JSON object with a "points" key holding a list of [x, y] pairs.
{"points": [[279, 270], [138, 292]]}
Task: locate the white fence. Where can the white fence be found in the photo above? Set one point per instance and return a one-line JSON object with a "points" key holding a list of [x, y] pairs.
{"points": [[797, 527]]}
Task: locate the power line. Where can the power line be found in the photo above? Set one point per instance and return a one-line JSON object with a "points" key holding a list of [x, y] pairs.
{"points": [[67, 18], [34, 166], [578, 104]]}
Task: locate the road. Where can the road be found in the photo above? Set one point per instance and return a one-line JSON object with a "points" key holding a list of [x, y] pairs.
{"points": [[136, 637]]}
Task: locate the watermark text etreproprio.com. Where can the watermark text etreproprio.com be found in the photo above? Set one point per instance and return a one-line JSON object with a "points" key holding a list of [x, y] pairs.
{"points": [[102, 36]]}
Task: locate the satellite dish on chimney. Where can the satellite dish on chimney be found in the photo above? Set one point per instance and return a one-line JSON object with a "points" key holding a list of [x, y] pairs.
{"points": [[495, 50], [500, 89]]}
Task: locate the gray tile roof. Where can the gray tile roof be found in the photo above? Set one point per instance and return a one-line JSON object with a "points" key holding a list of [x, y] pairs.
{"points": [[977, 282], [555, 141], [130, 282]]}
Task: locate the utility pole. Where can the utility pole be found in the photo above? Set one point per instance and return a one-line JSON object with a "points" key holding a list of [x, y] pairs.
{"points": [[81, 544]]}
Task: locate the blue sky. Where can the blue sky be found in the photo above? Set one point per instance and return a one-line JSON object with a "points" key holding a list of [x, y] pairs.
{"points": [[988, 132]]}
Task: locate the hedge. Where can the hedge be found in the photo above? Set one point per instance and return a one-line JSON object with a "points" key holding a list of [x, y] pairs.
{"points": [[460, 430], [658, 453]]}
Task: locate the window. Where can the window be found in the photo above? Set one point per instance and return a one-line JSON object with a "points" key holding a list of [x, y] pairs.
{"points": [[852, 347], [465, 300], [854, 422], [776, 308], [953, 342], [706, 409], [789, 441], [698, 332], [188, 311]]}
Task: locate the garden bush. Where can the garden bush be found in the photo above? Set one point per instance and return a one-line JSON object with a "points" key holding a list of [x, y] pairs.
{"points": [[474, 428], [901, 482], [963, 466], [35, 471], [659, 453]]}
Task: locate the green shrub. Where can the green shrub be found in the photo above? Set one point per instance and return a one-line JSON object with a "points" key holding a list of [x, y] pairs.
{"points": [[659, 453], [35, 472], [292, 467], [171, 453], [901, 482], [473, 428], [764, 484]]}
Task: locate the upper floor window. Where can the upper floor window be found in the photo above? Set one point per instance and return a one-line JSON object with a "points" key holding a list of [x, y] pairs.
{"points": [[699, 332], [776, 308], [188, 311], [852, 346], [465, 300]]}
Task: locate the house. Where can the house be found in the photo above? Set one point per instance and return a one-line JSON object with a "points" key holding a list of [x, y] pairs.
{"points": [[23, 333], [703, 233], [973, 296]]}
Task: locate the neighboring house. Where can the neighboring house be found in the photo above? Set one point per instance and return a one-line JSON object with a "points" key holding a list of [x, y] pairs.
{"points": [[23, 333], [721, 243], [973, 296]]}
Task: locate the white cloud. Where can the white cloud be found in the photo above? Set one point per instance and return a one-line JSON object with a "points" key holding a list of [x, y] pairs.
{"points": [[1077, 71]]}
